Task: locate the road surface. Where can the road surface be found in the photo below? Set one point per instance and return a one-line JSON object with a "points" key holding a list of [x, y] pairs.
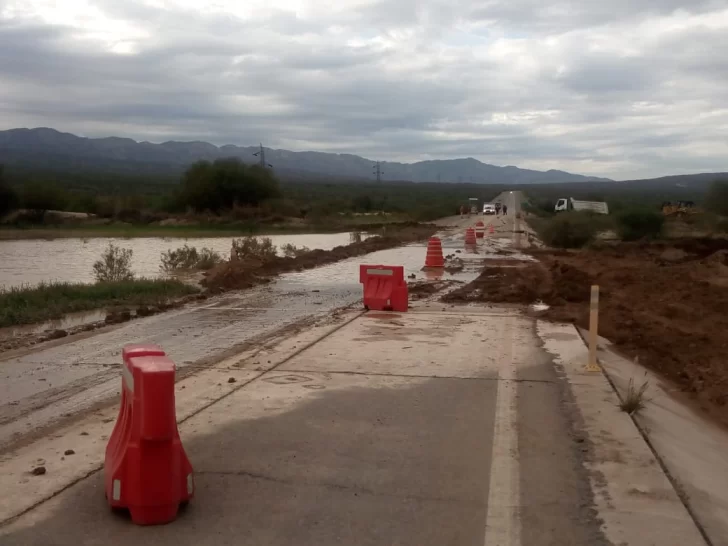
{"points": [[444, 425]]}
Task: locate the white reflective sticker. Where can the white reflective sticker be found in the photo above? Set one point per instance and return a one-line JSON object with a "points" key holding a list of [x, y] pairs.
{"points": [[116, 493], [387, 272]]}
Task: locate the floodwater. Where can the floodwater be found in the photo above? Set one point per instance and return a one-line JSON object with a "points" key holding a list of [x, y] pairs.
{"points": [[30, 262]]}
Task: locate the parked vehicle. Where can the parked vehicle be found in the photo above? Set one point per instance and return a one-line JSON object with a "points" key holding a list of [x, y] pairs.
{"points": [[570, 203], [489, 208]]}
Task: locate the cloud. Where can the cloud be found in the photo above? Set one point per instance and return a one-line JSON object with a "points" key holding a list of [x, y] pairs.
{"points": [[627, 89]]}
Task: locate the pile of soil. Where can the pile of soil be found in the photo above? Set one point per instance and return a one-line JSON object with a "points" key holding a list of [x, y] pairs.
{"points": [[666, 303], [250, 272]]}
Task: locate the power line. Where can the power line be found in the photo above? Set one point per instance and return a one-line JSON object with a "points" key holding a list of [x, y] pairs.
{"points": [[260, 154]]}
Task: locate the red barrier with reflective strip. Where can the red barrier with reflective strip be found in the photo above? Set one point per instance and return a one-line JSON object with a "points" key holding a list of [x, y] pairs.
{"points": [[384, 287], [146, 468]]}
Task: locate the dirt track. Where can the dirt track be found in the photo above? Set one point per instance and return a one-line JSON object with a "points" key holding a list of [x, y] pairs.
{"points": [[663, 302]]}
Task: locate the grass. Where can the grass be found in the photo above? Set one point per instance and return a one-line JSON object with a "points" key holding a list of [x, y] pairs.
{"points": [[54, 300], [634, 399]]}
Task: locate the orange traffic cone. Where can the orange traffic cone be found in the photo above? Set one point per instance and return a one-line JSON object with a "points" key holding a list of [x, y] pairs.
{"points": [[479, 229], [470, 238], [434, 253]]}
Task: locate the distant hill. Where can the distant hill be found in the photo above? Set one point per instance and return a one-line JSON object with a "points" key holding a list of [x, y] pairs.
{"points": [[48, 148]]}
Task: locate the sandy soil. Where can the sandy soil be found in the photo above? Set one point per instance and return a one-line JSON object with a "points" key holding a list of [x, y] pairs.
{"points": [[665, 303]]}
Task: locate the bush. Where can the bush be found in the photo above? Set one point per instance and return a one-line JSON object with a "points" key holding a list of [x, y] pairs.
{"points": [[543, 208], [292, 251], [188, 257], [226, 183], [638, 224], [8, 196], [42, 196], [114, 265], [261, 248], [568, 230], [717, 198]]}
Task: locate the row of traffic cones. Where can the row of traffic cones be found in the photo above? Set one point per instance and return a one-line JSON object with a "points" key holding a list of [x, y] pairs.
{"points": [[435, 257]]}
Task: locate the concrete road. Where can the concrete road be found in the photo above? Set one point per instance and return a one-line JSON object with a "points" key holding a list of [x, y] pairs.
{"points": [[421, 429], [444, 425]]}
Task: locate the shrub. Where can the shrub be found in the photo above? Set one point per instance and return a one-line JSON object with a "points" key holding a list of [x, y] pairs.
{"points": [[717, 198], [114, 265], [568, 230], [188, 257], [261, 248], [292, 251], [637, 224]]}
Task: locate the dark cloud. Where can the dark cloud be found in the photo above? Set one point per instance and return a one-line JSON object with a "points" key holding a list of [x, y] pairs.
{"points": [[624, 89]]}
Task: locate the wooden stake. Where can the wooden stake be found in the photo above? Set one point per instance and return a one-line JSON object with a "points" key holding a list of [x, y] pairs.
{"points": [[592, 365]]}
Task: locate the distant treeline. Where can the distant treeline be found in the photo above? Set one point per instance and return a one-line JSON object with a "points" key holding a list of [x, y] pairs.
{"points": [[220, 186]]}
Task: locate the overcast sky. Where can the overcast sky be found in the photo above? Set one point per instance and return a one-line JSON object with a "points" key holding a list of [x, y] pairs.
{"points": [[618, 88]]}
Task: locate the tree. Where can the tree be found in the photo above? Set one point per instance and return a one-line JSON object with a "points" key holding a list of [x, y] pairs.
{"points": [[43, 196], [633, 225], [8, 196], [717, 198], [226, 182]]}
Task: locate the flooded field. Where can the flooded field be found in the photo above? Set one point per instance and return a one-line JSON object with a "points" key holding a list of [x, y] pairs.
{"points": [[29, 262]]}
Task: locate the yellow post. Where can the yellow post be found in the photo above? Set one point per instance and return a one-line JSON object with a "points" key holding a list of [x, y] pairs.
{"points": [[592, 365]]}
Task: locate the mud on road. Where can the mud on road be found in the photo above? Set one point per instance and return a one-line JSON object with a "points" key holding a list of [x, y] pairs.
{"points": [[664, 302]]}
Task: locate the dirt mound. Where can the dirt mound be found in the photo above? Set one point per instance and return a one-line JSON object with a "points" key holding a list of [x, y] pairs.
{"points": [[246, 273], [507, 284], [672, 313]]}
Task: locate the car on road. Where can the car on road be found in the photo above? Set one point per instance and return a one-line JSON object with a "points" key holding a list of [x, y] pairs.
{"points": [[489, 208]]}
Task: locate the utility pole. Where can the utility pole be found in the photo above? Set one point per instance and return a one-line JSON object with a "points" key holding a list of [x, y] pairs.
{"points": [[378, 171], [261, 158]]}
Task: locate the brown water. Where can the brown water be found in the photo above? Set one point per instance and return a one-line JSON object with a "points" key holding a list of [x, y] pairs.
{"points": [[71, 260]]}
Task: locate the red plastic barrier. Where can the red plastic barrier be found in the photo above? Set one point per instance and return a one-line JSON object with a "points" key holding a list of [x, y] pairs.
{"points": [[146, 468], [384, 287]]}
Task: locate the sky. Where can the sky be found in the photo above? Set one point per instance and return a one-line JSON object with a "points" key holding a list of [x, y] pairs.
{"points": [[622, 88]]}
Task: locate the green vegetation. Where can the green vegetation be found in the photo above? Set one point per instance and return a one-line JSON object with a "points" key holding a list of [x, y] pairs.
{"points": [[290, 250], [567, 229], [633, 225], [54, 300], [114, 265], [188, 258], [257, 248], [225, 184], [8, 196], [717, 199], [634, 399]]}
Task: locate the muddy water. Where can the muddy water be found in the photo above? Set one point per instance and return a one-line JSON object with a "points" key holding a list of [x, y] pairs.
{"points": [[71, 260]]}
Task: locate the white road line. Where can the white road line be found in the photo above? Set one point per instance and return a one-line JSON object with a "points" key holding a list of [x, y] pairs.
{"points": [[502, 525]]}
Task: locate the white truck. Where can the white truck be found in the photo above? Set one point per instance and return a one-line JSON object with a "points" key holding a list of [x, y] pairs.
{"points": [[570, 203]]}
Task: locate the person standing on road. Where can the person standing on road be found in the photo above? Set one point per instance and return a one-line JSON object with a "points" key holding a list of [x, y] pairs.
{"points": [[505, 210]]}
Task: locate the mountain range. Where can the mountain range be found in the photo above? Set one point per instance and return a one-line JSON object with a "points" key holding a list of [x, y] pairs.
{"points": [[45, 147]]}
